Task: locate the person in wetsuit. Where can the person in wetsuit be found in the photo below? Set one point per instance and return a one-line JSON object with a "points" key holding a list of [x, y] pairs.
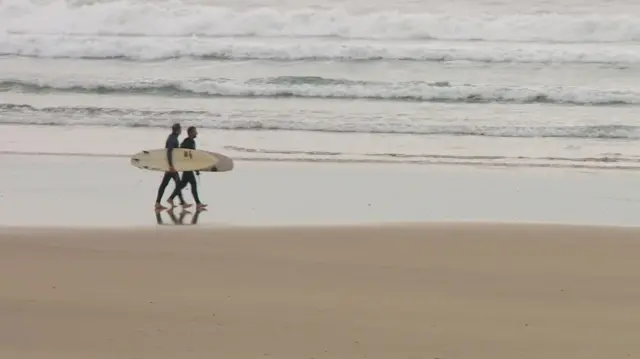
{"points": [[188, 177], [172, 142]]}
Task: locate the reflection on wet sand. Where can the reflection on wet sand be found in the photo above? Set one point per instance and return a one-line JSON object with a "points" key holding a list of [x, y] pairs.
{"points": [[178, 220]]}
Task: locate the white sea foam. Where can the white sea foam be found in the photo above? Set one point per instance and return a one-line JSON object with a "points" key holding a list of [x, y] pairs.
{"points": [[157, 48], [310, 121], [181, 19], [324, 88], [144, 30]]}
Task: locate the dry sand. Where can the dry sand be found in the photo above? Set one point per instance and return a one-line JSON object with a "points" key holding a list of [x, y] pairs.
{"points": [[406, 291]]}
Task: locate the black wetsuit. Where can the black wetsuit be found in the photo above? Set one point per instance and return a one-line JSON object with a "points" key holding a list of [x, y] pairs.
{"points": [[172, 142], [188, 177]]}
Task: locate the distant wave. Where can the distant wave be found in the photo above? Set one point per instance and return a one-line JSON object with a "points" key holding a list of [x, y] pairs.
{"points": [[154, 18], [154, 48], [97, 111], [327, 88], [96, 116]]}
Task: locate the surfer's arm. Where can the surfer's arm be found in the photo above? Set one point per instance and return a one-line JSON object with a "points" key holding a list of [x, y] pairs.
{"points": [[170, 156], [170, 146]]}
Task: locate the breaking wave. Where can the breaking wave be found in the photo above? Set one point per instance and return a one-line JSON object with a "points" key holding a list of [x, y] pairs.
{"points": [[154, 30], [327, 88], [137, 48], [152, 18]]}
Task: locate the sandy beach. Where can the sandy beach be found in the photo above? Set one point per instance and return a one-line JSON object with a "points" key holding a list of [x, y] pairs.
{"points": [[318, 260], [392, 291]]}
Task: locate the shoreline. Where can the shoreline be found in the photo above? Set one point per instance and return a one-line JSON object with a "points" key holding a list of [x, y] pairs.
{"points": [[364, 161], [353, 161], [350, 148]]}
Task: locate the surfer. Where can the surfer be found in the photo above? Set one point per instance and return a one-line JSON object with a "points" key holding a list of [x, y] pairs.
{"points": [[172, 142], [187, 176]]}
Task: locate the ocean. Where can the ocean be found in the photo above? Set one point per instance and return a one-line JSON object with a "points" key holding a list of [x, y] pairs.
{"points": [[489, 82]]}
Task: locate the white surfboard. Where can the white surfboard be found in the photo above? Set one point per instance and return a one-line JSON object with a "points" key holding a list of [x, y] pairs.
{"points": [[224, 163], [184, 159]]}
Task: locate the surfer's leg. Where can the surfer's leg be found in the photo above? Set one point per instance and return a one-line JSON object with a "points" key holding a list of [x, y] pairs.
{"points": [[180, 184], [163, 185], [194, 188]]}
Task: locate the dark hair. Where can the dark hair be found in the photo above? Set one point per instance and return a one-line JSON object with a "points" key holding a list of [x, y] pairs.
{"points": [[191, 128], [176, 126]]}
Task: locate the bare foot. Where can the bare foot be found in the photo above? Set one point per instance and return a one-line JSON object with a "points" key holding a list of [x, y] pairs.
{"points": [[186, 205], [158, 206], [201, 206]]}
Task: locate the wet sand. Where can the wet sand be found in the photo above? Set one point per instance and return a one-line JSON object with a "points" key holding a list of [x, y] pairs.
{"points": [[72, 191]]}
